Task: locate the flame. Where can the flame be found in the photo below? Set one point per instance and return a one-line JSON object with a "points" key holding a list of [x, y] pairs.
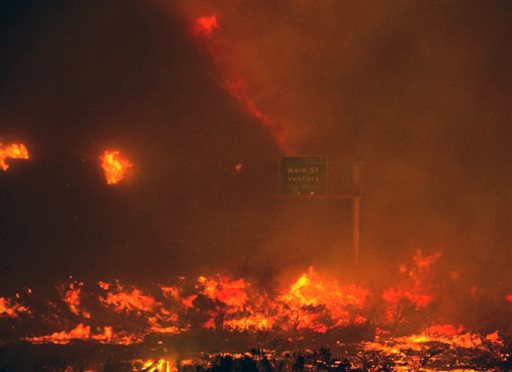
{"points": [[12, 151], [158, 365], [80, 332], [131, 300], [126, 314], [414, 287], [10, 308], [71, 297], [204, 26], [83, 332], [316, 304], [448, 334], [114, 166]]}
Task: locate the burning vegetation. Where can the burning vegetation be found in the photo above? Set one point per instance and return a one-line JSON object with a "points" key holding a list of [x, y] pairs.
{"points": [[391, 328]]}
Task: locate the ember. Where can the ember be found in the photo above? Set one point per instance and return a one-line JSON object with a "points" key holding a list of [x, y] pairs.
{"points": [[13, 151], [114, 166]]}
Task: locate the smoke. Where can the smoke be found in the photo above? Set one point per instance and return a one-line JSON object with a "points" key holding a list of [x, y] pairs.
{"points": [[417, 92]]}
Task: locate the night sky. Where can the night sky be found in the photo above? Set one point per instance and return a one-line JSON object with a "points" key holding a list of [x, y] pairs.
{"points": [[419, 92]]}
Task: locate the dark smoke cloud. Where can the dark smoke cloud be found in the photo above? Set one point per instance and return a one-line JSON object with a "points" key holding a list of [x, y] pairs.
{"points": [[418, 91]]}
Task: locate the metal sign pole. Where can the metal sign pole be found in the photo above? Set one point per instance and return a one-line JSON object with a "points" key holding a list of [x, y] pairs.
{"points": [[305, 177], [356, 206]]}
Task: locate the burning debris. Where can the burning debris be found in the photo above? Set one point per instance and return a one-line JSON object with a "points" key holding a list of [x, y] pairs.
{"points": [[114, 166], [12, 151]]}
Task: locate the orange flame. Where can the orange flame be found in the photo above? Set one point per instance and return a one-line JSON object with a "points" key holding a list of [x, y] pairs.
{"points": [[11, 309], [83, 332], [114, 166], [312, 303], [13, 151], [205, 26], [71, 297]]}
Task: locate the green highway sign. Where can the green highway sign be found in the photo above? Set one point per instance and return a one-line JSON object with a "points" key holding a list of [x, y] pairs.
{"points": [[303, 175]]}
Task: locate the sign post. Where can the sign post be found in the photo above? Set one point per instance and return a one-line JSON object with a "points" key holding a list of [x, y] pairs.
{"points": [[306, 177]]}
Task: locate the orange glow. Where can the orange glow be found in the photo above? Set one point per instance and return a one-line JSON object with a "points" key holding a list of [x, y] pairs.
{"points": [[205, 26], [71, 297], [13, 151], [317, 304], [313, 302], [131, 300], [11, 309], [114, 166], [238, 167], [413, 288], [80, 332], [455, 337], [84, 333]]}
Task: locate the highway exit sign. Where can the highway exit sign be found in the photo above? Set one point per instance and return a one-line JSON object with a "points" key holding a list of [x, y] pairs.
{"points": [[303, 175]]}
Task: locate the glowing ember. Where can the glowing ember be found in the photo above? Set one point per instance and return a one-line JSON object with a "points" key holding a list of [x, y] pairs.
{"points": [[80, 332], [131, 300], [238, 167], [114, 166], [71, 296], [104, 335], [13, 151], [11, 309], [205, 26]]}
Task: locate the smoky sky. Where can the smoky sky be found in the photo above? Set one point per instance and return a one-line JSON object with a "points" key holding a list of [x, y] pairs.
{"points": [[418, 92]]}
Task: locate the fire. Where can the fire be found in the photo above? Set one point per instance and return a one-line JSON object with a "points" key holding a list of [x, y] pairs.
{"points": [[131, 300], [10, 308], [114, 166], [80, 332], [319, 305], [104, 335], [448, 334], [71, 297], [158, 365], [413, 288], [205, 26], [12, 151], [310, 306]]}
